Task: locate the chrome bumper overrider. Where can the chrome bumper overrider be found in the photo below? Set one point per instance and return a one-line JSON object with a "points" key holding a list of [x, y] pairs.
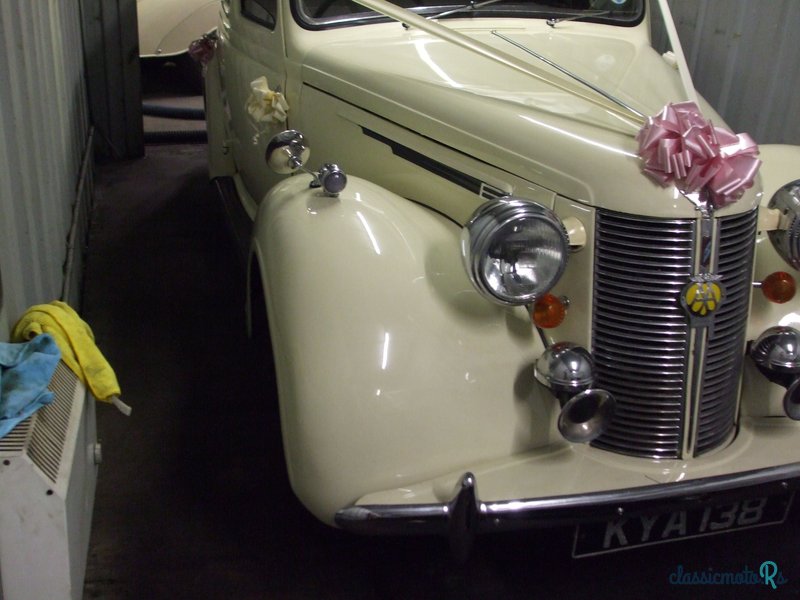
{"points": [[465, 515]]}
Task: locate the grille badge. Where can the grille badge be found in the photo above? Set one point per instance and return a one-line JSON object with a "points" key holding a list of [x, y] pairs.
{"points": [[701, 298]]}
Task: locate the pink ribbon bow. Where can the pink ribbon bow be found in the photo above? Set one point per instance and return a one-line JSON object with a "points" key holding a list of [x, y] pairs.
{"points": [[679, 145], [202, 50]]}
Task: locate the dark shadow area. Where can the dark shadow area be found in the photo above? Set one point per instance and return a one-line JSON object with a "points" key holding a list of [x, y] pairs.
{"points": [[171, 77]]}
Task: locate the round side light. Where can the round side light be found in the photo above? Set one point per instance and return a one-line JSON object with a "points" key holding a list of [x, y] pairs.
{"points": [[778, 287], [549, 311]]}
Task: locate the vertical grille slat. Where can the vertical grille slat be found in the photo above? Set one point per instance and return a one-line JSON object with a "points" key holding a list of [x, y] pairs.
{"points": [[641, 335], [719, 395]]}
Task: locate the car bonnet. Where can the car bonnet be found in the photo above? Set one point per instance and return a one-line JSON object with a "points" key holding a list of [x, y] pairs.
{"points": [[508, 119]]}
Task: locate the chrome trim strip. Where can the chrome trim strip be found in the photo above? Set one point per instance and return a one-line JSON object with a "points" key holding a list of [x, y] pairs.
{"points": [[724, 351], [465, 515]]}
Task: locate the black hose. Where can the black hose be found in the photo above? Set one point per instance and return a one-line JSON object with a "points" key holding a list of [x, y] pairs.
{"points": [[173, 112], [188, 136]]}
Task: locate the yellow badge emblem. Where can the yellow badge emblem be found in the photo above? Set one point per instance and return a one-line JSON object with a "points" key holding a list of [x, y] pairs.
{"points": [[701, 298]]}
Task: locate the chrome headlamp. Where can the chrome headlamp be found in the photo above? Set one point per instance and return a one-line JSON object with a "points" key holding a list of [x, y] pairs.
{"points": [[514, 250], [786, 238]]}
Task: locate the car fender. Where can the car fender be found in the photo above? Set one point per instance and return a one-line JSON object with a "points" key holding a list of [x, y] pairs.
{"points": [[167, 27], [391, 368]]}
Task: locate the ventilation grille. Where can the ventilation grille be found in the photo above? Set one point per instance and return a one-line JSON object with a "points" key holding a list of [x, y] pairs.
{"points": [[14, 441], [489, 192], [640, 335], [51, 422]]}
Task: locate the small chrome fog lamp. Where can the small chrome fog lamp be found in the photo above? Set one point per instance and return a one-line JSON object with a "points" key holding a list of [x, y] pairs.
{"points": [[786, 239], [568, 370], [776, 353], [514, 250]]}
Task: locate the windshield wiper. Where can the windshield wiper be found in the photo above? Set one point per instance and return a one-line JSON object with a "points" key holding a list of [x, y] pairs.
{"points": [[598, 13], [465, 8]]}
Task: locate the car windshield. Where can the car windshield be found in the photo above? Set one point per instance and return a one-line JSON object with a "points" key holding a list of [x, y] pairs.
{"points": [[336, 13]]}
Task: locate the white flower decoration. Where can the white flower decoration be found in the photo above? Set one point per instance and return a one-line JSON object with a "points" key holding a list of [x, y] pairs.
{"points": [[265, 106]]}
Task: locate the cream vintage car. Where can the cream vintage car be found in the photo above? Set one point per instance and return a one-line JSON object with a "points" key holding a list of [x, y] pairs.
{"points": [[167, 27], [516, 272]]}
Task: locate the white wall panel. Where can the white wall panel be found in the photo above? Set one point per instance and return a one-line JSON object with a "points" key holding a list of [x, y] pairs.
{"points": [[44, 133], [744, 57]]}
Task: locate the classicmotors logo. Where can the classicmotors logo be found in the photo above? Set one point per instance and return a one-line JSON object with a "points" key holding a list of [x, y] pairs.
{"points": [[767, 574]]}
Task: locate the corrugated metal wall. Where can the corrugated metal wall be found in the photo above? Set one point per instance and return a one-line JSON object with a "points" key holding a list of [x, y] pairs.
{"points": [[744, 57], [44, 152], [111, 46]]}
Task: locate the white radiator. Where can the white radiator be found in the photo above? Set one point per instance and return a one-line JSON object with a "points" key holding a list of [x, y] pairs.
{"points": [[48, 472]]}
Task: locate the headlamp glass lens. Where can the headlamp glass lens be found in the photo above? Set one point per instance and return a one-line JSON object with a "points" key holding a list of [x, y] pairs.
{"points": [[517, 249]]}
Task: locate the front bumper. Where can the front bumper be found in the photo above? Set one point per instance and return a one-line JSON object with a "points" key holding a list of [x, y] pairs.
{"points": [[571, 484], [465, 515]]}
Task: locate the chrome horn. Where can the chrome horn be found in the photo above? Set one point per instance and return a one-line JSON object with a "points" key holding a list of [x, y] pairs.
{"points": [[586, 415], [568, 370], [776, 353]]}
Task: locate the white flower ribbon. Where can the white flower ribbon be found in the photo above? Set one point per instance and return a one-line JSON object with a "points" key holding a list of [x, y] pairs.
{"points": [[265, 105]]}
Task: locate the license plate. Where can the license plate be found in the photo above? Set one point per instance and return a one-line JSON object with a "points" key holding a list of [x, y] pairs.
{"points": [[629, 532]]}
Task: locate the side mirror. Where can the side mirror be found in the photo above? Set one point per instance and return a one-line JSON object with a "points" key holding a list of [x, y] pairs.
{"points": [[287, 152]]}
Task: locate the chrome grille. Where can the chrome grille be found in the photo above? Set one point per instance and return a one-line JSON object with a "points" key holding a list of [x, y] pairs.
{"points": [[725, 352], [640, 336]]}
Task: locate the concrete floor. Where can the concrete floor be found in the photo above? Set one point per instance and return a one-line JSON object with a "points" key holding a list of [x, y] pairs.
{"points": [[192, 501]]}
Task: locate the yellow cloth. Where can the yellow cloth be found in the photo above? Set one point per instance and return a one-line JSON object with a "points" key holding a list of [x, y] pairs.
{"points": [[76, 342]]}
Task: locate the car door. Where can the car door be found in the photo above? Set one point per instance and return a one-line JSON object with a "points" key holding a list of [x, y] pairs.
{"points": [[252, 47]]}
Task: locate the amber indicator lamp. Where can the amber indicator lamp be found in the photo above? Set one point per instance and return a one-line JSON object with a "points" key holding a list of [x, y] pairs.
{"points": [[549, 311], [778, 287]]}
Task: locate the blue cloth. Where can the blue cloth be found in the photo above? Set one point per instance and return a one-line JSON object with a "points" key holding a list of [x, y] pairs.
{"points": [[25, 373]]}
